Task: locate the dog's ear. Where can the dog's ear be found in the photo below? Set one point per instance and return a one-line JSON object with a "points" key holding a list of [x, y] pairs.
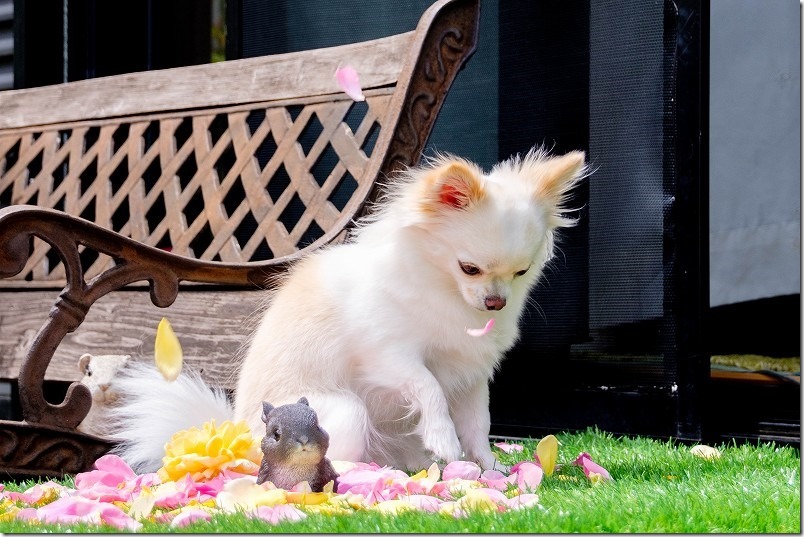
{"points": [[455, 185], [557, 175]]}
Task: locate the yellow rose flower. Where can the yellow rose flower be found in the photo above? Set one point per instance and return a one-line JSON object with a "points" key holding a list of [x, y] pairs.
{"points": [[204, 453]]}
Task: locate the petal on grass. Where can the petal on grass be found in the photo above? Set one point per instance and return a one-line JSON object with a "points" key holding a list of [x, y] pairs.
{"points": [[188, 516], [75, 509], [705, 452], [461, 470], [484, 500], [39, 494], [505, 447], [529, 477], [547, 453], [423, 502], [590, 467], [143, 505], [349, 81], [167, 351], [479, 332], [277, 513], [244, 493], [521, 501], [497, 480]]}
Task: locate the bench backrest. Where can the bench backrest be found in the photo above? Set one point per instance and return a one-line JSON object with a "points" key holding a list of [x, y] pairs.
{"points": [[205, 179]]}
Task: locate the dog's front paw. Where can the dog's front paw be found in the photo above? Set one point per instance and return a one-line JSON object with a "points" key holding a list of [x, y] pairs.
{"points": [[487, 461], [444, 447]]}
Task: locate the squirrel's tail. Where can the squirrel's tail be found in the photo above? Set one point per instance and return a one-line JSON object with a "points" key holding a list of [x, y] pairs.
{"points": [[151, 410]]}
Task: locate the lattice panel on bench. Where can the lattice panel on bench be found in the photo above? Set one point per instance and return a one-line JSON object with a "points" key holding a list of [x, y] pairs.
{"points": [[238, 184]]}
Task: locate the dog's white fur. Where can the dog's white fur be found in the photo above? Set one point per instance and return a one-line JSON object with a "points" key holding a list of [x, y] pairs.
{"points": [[373, 332], [151, 410]]}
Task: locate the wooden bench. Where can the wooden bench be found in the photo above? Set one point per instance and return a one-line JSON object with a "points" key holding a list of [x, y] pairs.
{"points": [[194, 184]]}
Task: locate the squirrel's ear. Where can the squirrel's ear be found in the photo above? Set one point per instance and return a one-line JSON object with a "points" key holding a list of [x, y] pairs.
{"points": [[266, 409], [304, 401]]}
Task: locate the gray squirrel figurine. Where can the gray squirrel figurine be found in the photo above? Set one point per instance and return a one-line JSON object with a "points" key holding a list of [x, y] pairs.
{"points": [[294, 447]]}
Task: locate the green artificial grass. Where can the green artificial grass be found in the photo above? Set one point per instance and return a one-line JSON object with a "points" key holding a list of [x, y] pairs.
{"points": [[658, 487]]}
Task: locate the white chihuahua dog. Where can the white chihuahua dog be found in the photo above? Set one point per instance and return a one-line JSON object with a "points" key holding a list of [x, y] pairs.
{"points": [[378, 333]]}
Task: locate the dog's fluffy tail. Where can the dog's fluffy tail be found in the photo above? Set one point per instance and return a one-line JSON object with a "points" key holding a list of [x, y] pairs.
{"points": [[151, 410]]}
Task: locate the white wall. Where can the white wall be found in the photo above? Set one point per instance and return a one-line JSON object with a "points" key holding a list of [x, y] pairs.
{"points": [[755, 149]]}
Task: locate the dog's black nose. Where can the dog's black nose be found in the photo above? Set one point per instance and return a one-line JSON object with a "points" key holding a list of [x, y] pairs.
{"points": [[495, 302]]}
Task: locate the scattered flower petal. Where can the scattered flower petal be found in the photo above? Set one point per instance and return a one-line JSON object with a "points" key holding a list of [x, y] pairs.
{"points": [[522, 501], [423, 502], [277, 513], [307, 498], [479, 332], [349, 81], [485, 500], [461, 470], [705, 452], [509, 448], [167, 351], [143, 505], [188, 516], [38, 494], [590, 467], [497, 480], [70, 510], [245, 494], [547, 453], [213, 469], [529, 477]]}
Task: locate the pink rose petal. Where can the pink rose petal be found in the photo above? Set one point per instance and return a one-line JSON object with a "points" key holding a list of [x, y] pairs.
{"points": [[189, 516], [461, 470], [349, 81], [74, 509], [497, 480], [479, 332], [422, 502], [522, 501], [589, 466], [528, 476], [509, 448], [277, 513], [35, 494]]}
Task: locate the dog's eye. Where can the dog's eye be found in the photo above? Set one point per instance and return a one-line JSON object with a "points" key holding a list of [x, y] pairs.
{"points": [[276, 434], [470, 269], [522, 272]]}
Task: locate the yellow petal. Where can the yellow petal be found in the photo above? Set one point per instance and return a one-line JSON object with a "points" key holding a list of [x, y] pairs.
{"points": [[215, 447], [307, 498], [547, 450], [476, 500], [10, 514], [167, 351], [705, 452], [420, 475]]}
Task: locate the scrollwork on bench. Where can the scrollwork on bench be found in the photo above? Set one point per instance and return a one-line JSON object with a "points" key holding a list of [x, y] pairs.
{"points": [[133, 262]]}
